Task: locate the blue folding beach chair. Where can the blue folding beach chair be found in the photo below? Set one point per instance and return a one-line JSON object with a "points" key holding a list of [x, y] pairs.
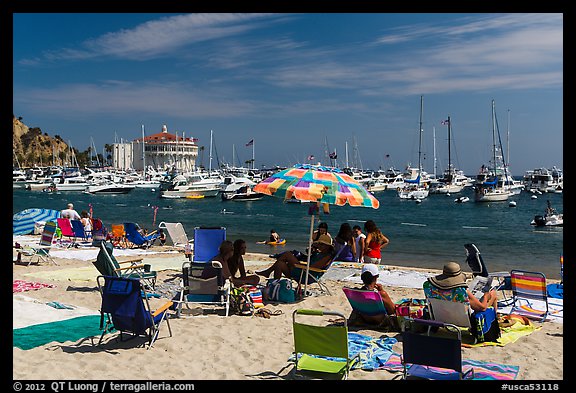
{"points": [[136, 238], [207, 240], [78, 228], [125, 308]]}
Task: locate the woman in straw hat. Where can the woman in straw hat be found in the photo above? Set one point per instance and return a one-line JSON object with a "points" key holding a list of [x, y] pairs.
{"points": [[451, 285], [286, 261]]}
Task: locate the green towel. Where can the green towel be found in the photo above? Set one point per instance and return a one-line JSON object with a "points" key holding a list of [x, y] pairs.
{"points": [[72, 329]]}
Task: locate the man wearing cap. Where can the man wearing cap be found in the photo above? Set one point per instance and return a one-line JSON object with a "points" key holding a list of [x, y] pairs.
{"points": [[286, 261], [451, 285]]}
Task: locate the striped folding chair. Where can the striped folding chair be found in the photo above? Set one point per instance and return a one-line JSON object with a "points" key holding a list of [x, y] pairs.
{"points": [[364, 301], [528, 287]]}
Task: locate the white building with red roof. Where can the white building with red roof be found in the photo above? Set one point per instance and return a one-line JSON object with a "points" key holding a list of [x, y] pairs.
{"points": [[162, 150]]}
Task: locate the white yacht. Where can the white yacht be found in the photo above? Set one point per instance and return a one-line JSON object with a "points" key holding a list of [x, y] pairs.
{"points": [[191, 186]]}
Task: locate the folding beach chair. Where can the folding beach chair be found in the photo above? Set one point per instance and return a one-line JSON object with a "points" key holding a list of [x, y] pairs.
{"points": [[40, 253], [207, 240], [99, 232], [528, 287], [176, 233], [315, 276], [79, 231], [194, 289], [125, 308], [431, 356], [483, 326], [476, 263], [108, 265], [118, 236], [136, 238], [365, 302], [320, 347], [65, 227]]}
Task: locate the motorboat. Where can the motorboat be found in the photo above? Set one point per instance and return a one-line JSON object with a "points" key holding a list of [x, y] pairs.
{"points": [[243, 193], [551, 218], [109, 188], [183, 187], [462, 199]]}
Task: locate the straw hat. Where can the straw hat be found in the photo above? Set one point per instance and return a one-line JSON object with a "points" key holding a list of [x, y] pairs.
{"points": [[451, 277], [324, 239]]}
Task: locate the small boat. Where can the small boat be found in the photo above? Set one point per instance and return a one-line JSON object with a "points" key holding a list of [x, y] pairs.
{"points": [[109, 188], [512, 203], [243, 193], [462, 199], [551, 218]]}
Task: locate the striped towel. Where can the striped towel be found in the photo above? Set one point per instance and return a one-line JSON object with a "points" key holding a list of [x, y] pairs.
{"points": [[482, 370]]}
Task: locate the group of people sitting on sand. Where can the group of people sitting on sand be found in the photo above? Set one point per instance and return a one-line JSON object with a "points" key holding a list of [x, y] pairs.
{"points": [[450, 285]]}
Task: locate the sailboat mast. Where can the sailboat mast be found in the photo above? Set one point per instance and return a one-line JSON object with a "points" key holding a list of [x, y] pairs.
{"points": [[508, 140], [494, 137], [143, 155], [210, 158], [434, 145], [449, 152], [420, 140]]}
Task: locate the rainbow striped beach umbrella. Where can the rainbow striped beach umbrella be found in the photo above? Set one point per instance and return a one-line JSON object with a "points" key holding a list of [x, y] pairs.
{"points": [[316, 183], [320, 184]]}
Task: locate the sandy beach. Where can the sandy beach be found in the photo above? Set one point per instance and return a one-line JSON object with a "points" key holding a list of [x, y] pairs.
{"points": [[215, 347]]}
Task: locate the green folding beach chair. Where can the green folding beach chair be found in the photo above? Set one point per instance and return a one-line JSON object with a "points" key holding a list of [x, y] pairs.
{"points": [[320, 348]]}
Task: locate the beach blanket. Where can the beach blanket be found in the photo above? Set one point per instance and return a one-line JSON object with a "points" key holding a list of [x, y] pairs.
{"points": [[92, 253], [89, 273], [508, 335], [35, 323], [555, 307], [350, 272], [482, 370], [23, 286], [372, 353]]}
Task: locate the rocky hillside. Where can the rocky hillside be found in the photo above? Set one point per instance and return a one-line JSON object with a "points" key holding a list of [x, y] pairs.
{"points": [[32, 147]]}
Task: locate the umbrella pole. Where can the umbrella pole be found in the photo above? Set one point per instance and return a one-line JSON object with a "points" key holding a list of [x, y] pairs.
{"points": [[309, 252]]}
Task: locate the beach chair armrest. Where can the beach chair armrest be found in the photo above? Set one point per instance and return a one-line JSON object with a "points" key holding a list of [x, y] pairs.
{"points": [[163, 308], [312, 269], [129, 268], [133, 260]]}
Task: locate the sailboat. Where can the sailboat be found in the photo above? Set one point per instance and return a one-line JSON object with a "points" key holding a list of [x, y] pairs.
{"points": [[490, 184], [416, 188], [452, 181]]}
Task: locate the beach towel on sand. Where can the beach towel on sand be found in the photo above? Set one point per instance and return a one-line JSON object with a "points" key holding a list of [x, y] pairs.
{"points": [[482, 370], [23, 286], [372, 352], [35, 323]]}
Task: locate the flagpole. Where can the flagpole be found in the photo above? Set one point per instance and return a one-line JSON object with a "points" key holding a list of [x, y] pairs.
{"points": [[252, 154]]}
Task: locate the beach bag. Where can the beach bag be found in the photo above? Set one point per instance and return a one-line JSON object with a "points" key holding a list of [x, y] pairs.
{"points": [[280, 290], [485, 327], [412, 308], [241, 302]]}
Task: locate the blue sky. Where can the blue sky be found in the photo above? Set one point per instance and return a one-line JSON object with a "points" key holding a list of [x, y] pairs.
{"points": [[299, 83]]}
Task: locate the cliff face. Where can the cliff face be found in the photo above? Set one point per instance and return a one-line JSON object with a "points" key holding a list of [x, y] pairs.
{"points": [[31, 147]]}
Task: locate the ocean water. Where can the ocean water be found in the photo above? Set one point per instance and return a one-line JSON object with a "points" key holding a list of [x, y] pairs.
{"points": [[421, 235]]}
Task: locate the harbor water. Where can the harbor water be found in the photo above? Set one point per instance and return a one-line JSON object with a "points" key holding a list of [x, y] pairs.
{"points": [[425, 234]]}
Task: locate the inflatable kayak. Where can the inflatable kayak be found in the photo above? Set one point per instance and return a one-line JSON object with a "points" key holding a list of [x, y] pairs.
{"points": [[281, 242]]}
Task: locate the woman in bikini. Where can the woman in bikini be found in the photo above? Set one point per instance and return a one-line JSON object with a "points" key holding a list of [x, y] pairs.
{"points": [[375, 241]]}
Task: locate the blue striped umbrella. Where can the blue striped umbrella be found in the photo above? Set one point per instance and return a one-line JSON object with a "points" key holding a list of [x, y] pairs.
{"points": [[23, 222]]}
